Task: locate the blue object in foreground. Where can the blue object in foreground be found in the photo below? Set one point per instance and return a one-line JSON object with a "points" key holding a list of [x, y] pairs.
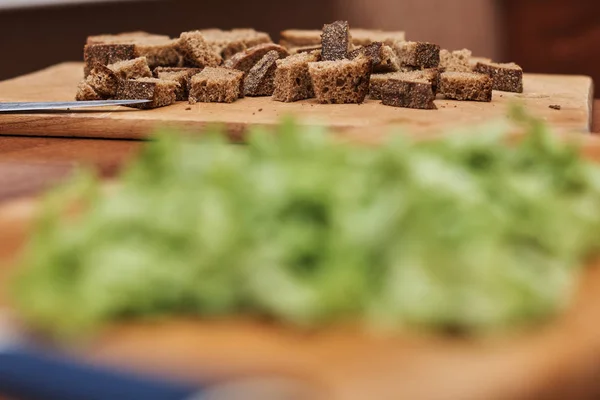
{"points": [[29, 375]]}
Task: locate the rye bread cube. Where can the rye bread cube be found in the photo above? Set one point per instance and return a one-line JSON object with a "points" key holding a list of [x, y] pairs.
{"points": [[196, 51], [364, 37], [180, 75], [86, 92], [292, 79], [104, 81], [291, 38], [159, 52], [383, 57], [105, 54], [506, 77], [418, 54], [216, 85], [379, 81], [456, 61], [259, 80], [245, 60], [125, 37], [160, 92], [305, 49], [336, 41], [132, 69], [342, 81], [466, 86], [408, 93], [229, 43]]}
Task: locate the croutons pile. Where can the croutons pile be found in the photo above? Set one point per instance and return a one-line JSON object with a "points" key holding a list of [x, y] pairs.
{"points": [[335, 65]]}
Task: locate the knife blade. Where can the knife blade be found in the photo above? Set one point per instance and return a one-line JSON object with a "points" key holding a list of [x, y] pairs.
{"points": [[64, 105]]}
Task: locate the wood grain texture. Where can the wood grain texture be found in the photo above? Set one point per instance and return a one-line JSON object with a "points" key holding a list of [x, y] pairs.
{"points": [[572, 93]]}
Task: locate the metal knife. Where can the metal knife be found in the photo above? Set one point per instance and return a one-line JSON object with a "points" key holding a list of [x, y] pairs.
{"points": [[64, 105]]}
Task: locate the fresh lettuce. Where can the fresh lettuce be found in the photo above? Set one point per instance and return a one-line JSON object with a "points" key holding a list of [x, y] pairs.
{"points": [[464, 231]]}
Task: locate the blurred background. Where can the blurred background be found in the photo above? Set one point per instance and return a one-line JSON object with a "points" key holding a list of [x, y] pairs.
{"points": [[554, 36]]}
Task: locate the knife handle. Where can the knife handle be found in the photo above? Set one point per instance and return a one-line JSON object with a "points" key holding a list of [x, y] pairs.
{"points": [[35, 375]]}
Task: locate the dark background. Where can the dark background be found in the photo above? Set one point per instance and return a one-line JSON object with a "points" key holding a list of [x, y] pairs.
{"points": [[555, 36]]}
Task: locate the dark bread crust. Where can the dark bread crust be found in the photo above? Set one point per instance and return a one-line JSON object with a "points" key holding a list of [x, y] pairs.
{"points": [[383, 57], [105, 54], [245, 60], [380, 81], [408, 94], [418, 54], [505, 77], [336, 41], [373, 51], [162, 93], [466, 86], [259, 80]]}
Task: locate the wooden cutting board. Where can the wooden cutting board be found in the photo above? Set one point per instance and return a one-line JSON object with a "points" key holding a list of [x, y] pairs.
{"points": [[573, 94]]}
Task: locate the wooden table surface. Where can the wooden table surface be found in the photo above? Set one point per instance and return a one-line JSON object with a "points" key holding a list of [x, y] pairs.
{"points": [[31, 164]]}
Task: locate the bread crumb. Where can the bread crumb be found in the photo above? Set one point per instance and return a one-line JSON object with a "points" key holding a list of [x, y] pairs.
{"points": [[188, 108], [555, 106], [260, 109]]}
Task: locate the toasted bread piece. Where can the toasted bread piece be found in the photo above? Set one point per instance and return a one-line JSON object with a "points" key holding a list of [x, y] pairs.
{"points": [[341, 81], [364, 37], [408, 93], [466, 86], [360, 37], [131, 69], [456, 61], [336, 41], [216, 85], [292, 79], [506, 77], [182, 76], [86, 92], [473, 61], [161, 92], [305, 49], [383, 57], [105, 54], [245, 60], [300, 38], [104, 81], [158, 52], [229, 43], [379, 81], [196, 51], [418, 54], [259, 80], [124, 38]]}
